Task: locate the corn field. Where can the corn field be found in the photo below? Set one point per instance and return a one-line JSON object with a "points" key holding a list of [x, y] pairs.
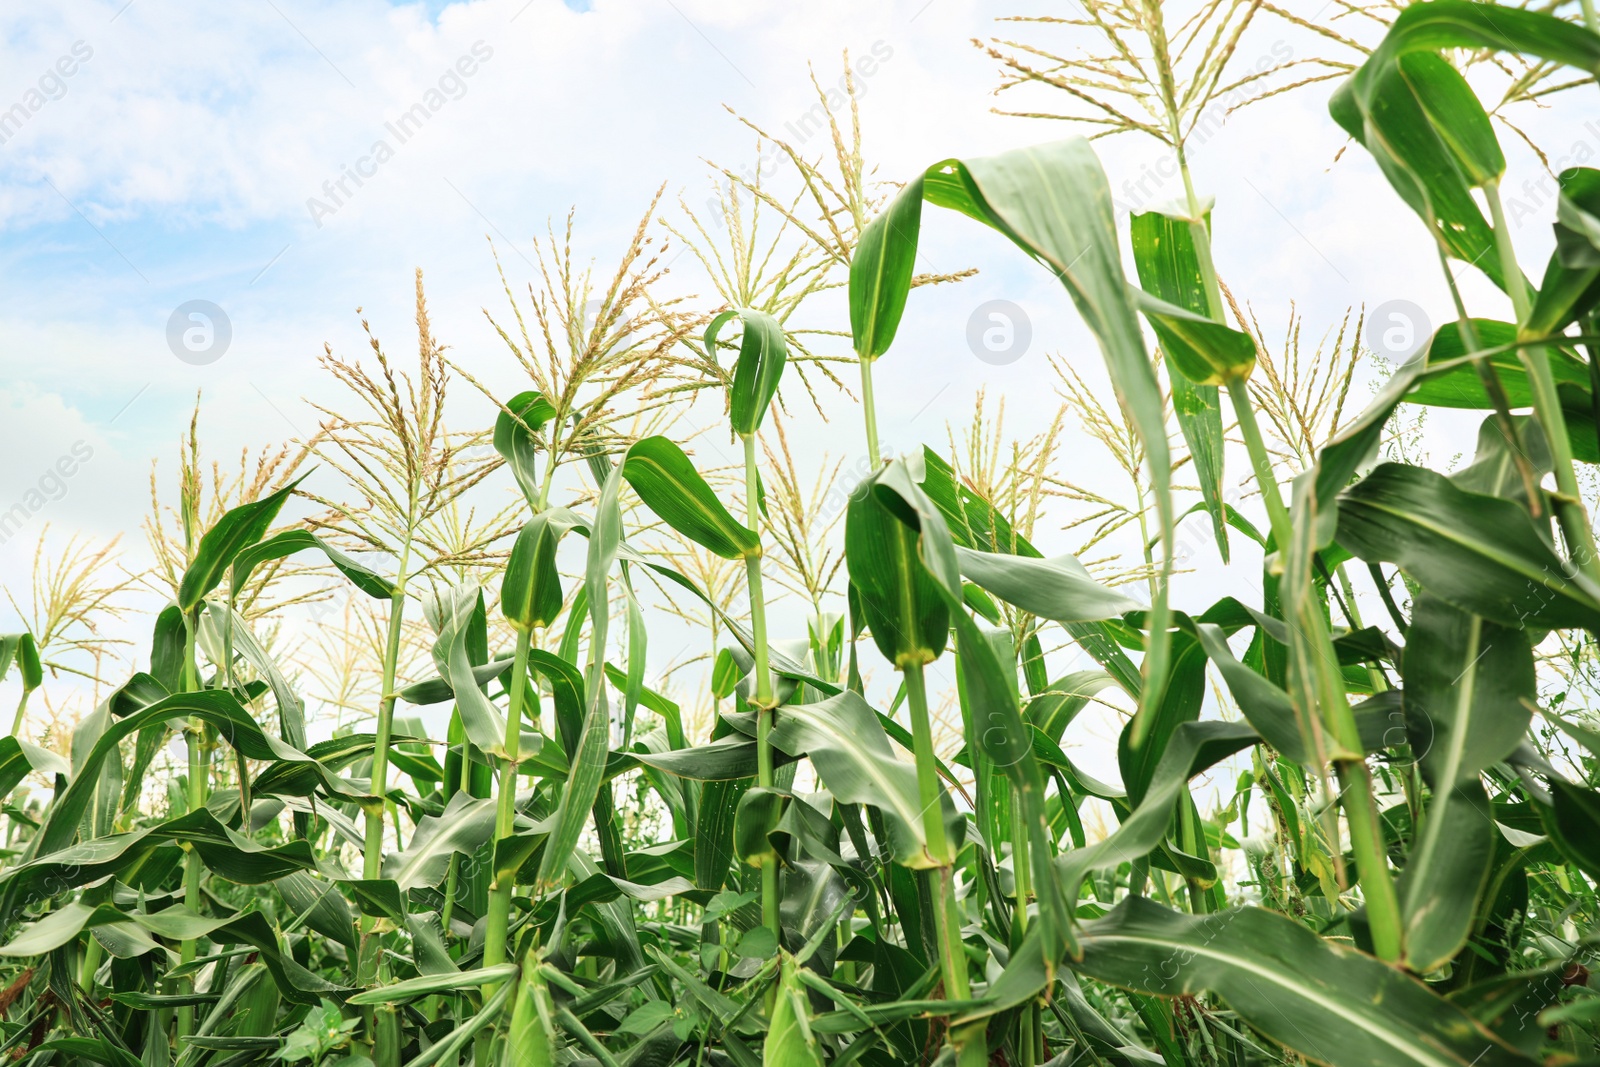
{"points": [[1356, 815]]}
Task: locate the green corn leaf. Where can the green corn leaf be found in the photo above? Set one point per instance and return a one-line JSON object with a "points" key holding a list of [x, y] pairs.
{"points": [[713, 832], [1461, 387], [1168, 264], [514, 428], [665, 479], [974, 523], [1483, 554], [900, 601], [1416, 120], [463, 827], [854, 759], [721, 760], [454, 612], [1059, 589], [762, 354], [288, 543], [22, 650], [1455, 115], [412, 988], [216, 708], [1180, 703], [881, 271], [1192, 748], [1469, 690], [1571, 284], [236, 531], [530, 589], [1205, 352], [1331, 1004], [753, 823], [323, 906], [220, 618], [167, 648], [19, 758]]}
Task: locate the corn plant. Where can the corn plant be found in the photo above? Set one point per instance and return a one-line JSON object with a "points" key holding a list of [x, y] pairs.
{"points": [[1398, 869]]}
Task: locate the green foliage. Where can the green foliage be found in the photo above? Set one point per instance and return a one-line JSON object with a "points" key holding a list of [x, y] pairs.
{"points": [[1387, 856]]}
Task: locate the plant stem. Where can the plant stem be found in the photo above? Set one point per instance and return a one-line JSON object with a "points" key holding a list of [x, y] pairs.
{"points": [[1366, 842], [869, 411], [928, 788], [1570, 511], [1030, 1032], [494, 934], [968, 1041], [763, 678], [372, 850], [372, 854], [92, 953], [1260, 462], [196, 800], [1492, 386], [22, 710]]}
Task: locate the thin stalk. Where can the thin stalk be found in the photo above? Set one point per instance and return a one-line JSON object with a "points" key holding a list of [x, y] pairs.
{"points": [[1238, 388], [1366, 842], [1570, 511], [550, 467], [1356, 797], [968, 1042], [372, 850], [928, 788], [494, 935], [1030, 1035], [22, 710], [1492, 386], [92, 954], [372, 854], [1260, 462], [763, 680], [196, 799], [869, 411]]}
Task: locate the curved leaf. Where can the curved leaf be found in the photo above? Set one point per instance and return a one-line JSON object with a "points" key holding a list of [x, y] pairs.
{"points": [[1481, 553], [665, 479], [1331, 1004]]}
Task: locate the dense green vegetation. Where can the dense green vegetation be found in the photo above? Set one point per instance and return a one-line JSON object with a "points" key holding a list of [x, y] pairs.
{"points": [[576, 872]]}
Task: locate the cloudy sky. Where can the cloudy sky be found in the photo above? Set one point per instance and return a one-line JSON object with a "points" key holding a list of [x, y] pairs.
{"points": [[288, 162]]}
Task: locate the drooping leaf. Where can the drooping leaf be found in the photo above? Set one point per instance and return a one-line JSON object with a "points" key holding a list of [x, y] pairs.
{"points": [[1059, 589], [530, 589], [289, 542], [665, 479], [1205, 352], [1168, 263], [854, 759], [1483, 554], [762, 354], [514, 438], [1330, 1003]]}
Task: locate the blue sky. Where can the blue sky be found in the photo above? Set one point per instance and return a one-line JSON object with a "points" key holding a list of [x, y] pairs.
{"points": [[180, 159]]}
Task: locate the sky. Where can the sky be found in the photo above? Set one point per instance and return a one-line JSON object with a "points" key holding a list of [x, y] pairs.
{"points": [[274, 165]]}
